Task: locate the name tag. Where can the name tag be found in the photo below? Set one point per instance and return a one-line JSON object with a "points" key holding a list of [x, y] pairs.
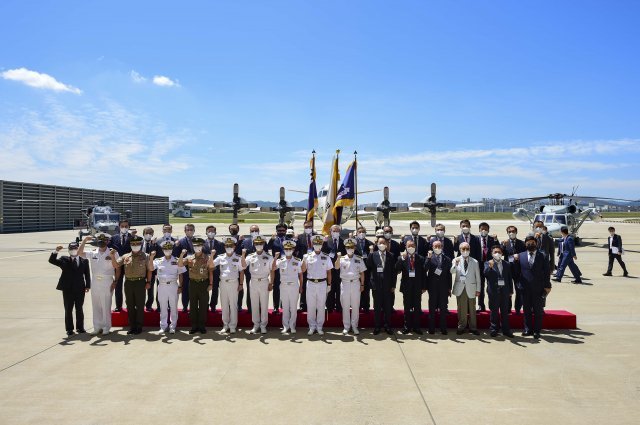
{"points": [[511, 259], [412, 274], [463, 279], [438, 272], [380, 270], [500, 282]]}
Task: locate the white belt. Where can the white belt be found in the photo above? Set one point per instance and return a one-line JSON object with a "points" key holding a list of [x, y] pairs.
{"points": [[290, 283], [259, 279], [103, 276], [167, 282], [229, 280], [351, 281]]}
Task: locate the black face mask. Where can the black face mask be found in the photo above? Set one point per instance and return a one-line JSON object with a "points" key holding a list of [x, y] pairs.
{"points": [[531, 247], [101, 244], [233, 232], [281, 234]]}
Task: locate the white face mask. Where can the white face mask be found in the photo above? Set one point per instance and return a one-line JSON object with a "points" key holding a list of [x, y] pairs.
{"points": [[229, 250], [124, 230], [612, 233], [512, 235], [361, 235], [440, 233], [254, 234], [167, 235], [350, 251], [167, 252], [259, 248], [387, 235], [73, 252], [211, 235], [497, 256], [136, 248], [148, 237], [317, 248], [465, 254], [411, 251], [544, 232], [197, 249], [308, 230], [465, 230], [288, 252], [484, 233], [437, 251], [537, 229], [415, 232], [382, 247], [335, 235]]}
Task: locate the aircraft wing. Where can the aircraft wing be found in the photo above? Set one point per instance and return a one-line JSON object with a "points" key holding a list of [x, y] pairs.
{"points": [[194, 205]]}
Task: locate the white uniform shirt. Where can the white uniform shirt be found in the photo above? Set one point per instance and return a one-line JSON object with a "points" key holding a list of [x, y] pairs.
{"points": [[259, 264], [100, 262], [350, 268], [289, 269], [317, 265], [230, 267], [168, 270]]}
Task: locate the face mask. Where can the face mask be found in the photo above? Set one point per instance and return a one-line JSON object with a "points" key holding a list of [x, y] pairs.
{"points": [[308, 230], [415, 231], [102, 244], [233, 232], [167, 252], [259, 248], [148, 237], [136, 248], [317, 248], [73, 252], [544, 232], [124, 230], [465, 230], [465, 254], [254, 234], [280, 234], [483, 233], [197, 249], [411, 250], [229, 250], [612, 233], [167, 235], [350, 251], [387, 235], [189, 233], [288, 252], [211, 235], [497, 256], [437, 251], [537, 230], [440, 233], [531, 247], [361, 235], [382, 247], [512, 235], [335, 235], [288, 237]]}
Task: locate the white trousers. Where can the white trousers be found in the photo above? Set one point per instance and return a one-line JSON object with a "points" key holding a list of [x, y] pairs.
{"points": [[168, 294], [289, 298], [259, 302], [101, 302], [350, 298], [316, 302], [229, 303]]}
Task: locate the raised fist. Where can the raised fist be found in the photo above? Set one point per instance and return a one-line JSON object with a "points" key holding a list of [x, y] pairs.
{"points": [[183, 253], [59, 247]]}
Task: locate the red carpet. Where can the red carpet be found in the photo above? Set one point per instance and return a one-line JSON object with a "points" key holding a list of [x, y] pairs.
{"points": [[553, 319]]}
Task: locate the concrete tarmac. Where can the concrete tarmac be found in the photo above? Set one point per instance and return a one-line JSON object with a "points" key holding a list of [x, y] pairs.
{"points": [[585, 376]]}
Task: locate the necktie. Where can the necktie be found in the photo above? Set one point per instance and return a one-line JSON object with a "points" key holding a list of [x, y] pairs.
{"points": [[484, 247], [411, 263], [500, 267], [466, 264], [531, 257], [308, 241], [382, 258]]}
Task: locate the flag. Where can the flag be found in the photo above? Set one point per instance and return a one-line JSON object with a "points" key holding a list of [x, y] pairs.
{"points": [[329, 219], [312, 204], [346, 195]]}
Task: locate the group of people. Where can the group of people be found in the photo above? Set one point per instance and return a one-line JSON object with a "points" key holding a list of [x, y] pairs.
{"points": [[319, 273]]}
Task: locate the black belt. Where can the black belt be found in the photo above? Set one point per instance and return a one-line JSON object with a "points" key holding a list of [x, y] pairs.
{"points": [[316, 280], [198, 280]]}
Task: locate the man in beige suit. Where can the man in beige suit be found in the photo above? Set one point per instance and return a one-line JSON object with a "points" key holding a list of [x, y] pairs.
{"points": [[466, 288]]}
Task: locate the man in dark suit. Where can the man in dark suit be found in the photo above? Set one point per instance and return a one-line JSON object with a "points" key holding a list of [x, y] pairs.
{"points": [[421, 244], [500, 290], [615, 252], [304, 246], [567, 253], [545, 243], [275, 245], [439, 283], [413, 283], [248, 247], [381, 264], [510, 247], [120, 242], [393, 247], [148, 246], [363, 248], [333, 246], [468, 237], [74, 282], [447, 244], [486, 244], [185, 243], [534, 285], [210, 245]]}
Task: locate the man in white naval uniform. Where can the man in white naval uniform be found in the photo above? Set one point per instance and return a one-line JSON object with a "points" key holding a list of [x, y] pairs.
{"points": [[261, 266], [290, 285], [231, 282], [352, 268], [169, 274], [104, 278], [318, 267]]}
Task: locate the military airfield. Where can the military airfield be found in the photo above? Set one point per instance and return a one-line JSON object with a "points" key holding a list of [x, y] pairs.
{"points": [[585, 375]]}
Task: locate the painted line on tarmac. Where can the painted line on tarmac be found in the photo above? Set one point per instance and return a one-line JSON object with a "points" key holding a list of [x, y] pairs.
{"points": [[415, 381], [24, 255]]}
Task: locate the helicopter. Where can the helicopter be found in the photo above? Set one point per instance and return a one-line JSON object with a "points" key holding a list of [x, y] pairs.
{"points": [[99, 218], [559, 212], [238, 205]]}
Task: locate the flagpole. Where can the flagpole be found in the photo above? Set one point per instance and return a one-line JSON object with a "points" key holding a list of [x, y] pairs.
{"points": [[313, 166], [355, 183]]}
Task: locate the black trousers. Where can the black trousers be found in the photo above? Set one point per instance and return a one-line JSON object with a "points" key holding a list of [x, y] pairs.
{"points": [[118, 290], [365, 296], [481, 304], [216, 289], [518, 303], [532, 309], [438, 301], [303, 296], [73, 299], [276, 290], [185, 291], [499, 304], [247, 280], [150, 292], [333, 297], [616, 257], [382, 306], [412, 302]]}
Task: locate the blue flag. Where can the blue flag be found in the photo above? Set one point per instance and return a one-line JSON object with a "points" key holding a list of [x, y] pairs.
{"points": [[346, 195]]}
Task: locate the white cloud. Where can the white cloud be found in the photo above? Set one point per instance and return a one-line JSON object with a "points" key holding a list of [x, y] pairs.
{"points": [[136, 77], [38, 80], [161, 80]]}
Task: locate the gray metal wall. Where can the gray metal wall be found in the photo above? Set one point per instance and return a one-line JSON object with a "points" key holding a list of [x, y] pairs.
{"points": [[58, 206]]}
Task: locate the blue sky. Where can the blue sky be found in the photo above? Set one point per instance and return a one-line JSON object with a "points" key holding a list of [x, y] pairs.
{"points": [[487, 99]]}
